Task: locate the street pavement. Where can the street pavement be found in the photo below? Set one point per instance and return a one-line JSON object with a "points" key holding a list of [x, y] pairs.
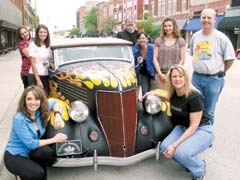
{"points": [[10, 90], [223, 159]]}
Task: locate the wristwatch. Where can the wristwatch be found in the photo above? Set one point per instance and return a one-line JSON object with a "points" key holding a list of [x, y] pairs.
{"points": [[57, 112]]}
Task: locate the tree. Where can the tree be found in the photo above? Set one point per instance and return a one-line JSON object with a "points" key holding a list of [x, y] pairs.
{"points": [[149, 27], [108, 25], [90, 22], [36, 21], [75, 31]]}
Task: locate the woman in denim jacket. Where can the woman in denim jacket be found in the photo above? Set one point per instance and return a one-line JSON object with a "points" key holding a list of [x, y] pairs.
{"points": [[27, 154]]}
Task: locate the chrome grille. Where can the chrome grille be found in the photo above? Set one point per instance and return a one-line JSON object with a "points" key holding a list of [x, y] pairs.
{"points": [[72, 91]]}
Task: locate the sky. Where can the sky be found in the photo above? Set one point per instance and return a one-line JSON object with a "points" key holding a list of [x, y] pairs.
{"points": [[58, 14]]}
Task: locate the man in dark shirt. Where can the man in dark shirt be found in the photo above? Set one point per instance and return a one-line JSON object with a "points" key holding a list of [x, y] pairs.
{"points": [[129, 33]]}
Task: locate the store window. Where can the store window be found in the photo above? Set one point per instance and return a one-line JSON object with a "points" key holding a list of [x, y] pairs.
{"points": [[235, 3], [4, 39]]}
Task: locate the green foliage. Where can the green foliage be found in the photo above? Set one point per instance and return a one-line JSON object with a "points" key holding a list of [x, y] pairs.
{"points": [[91, 20], [75, 31], [36, 21], [108, 25], [149, 26]]}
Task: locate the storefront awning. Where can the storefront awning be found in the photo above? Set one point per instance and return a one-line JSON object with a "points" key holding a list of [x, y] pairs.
{"points": [[181, 23], [194, 23], [8, 25], [229, 23]]}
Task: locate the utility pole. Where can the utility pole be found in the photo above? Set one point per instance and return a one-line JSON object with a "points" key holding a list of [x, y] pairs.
{"points": [[206, 4]]}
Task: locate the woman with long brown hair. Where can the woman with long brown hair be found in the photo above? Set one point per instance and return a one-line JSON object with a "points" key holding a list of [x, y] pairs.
{"points": [[27, 154], [40, 55], [169, 49], [24, 39]]}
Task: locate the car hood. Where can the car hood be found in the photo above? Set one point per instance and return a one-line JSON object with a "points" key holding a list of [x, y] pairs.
{"points": [[118, 75]]}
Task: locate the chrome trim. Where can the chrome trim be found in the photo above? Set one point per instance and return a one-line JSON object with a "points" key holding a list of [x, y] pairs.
{"points": [[107, 160], [74, 91]]}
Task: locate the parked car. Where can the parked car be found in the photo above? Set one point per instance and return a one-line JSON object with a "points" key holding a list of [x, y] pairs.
{"points": [[237, 52], [94, 80]]}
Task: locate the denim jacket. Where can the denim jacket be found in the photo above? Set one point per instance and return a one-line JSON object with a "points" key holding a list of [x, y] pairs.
{"points": [[149, 59], [24, 137]]}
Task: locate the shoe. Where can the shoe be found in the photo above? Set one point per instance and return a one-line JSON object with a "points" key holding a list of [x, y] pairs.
{"points": [[17, 177], [199, 178]]}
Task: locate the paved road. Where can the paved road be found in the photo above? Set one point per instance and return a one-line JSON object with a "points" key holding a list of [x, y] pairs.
{"points": [[223, 160]]}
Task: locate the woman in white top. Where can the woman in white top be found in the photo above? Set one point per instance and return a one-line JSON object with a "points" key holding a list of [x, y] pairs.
{"points": [[40, 54]]}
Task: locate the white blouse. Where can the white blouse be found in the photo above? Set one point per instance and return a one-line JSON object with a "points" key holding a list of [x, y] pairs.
{"points": [[41, 55]]}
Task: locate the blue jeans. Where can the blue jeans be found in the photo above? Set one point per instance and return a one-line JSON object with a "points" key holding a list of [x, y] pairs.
{"points": [[186, 154], [145, 81], [210, 87]]}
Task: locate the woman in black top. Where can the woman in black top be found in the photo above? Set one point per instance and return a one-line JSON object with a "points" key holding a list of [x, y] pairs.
{"points": [[193, 132]]}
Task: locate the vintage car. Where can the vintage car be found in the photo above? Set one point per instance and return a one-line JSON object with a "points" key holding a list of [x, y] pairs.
{"points": [[95, 82]]}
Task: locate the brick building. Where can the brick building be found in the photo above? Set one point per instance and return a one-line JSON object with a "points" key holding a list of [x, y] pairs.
{"points": [[13, 13], [186, 12]]}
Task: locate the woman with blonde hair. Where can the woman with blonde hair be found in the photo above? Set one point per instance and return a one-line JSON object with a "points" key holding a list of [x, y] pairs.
{"points": [[192, 133]]}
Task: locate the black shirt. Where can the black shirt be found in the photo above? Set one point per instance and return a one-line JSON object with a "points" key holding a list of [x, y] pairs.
{"points": [[128, 36], [182, 106]]}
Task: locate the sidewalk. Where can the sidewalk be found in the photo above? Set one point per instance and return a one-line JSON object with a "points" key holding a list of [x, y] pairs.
{"points": [[10, 90]]}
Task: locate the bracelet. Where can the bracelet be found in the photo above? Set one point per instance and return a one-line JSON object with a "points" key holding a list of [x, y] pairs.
{"points": [[57, 112]]}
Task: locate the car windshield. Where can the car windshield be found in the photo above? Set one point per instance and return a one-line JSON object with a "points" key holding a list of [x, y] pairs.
{"points": [[70, 54]]}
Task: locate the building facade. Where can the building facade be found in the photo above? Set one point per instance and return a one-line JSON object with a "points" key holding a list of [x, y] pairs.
{"points": [[9, 22], [13, 14], [186, 12], [230, 24]]}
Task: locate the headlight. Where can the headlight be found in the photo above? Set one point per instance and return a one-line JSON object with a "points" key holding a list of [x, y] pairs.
{"points": [[152, 104], [78, 111]]}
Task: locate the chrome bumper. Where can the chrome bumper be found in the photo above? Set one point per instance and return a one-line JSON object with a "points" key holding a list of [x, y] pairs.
{"points": [[107, 160]]}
